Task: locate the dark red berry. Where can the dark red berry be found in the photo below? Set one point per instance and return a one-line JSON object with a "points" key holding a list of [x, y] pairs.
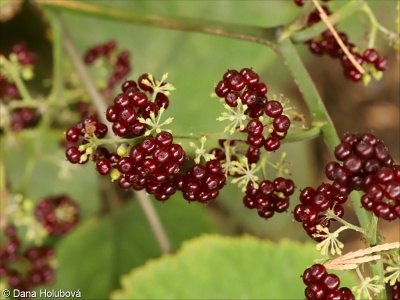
{"points": [[381, 64], [103, 166]]}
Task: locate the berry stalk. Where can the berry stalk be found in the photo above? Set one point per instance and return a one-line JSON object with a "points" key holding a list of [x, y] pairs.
{"points": [[307, 134], [325, 18], [375, 26], [58, 86], [341, 14], [13, 71]]}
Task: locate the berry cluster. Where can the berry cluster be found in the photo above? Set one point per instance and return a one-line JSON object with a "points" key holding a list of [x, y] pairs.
{"points": [[150, 165], [324, 286], [155, 165], [246, 86], [58, 215], [269, 197], [119, 65], [80, 134], [34, 263], [367, 166], [22, 117], [382, 194], [138, 99], [201, 183], [314, 204], [25, 57], [265, 125], [327, 44], [120, 61]]}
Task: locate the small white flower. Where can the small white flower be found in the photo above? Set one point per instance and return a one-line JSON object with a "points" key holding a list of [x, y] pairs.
{"points": [[246, 171], [363, 290], [201, 152], [392, 271], [330, 242], [235, 115], [159, 86], [154, 123]]}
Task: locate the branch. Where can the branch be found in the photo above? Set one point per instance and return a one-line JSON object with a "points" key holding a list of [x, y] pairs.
{"points": [[256, 34], [97, 99]]}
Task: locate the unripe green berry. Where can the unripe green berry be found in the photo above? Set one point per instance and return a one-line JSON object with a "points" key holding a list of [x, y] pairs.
{"points": [[122, 150], [84, 157], [115, 175]]}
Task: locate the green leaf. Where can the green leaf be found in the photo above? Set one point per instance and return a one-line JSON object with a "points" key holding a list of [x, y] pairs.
{"points": [[93, 257], [215, 267]]}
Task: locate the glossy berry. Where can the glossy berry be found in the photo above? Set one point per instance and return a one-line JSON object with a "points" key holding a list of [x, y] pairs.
{"points": [[270, 197], [381, 64], [322, 285], [370, 55], [103, 166], [73, 134], [326, 44], [73, 154]]}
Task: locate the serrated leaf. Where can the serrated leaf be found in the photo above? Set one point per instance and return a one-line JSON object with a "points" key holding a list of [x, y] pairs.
{"points": [[94, 256], [216, 267]]}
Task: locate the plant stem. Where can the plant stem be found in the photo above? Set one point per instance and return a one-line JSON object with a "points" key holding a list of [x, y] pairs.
{"points": [[147, 206], [58, 85], [12, 69], [375, 26], [319, 115], [94, 94], [303, 135], [255, 34], [344, 222], [29, 166], [154, 220]]}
